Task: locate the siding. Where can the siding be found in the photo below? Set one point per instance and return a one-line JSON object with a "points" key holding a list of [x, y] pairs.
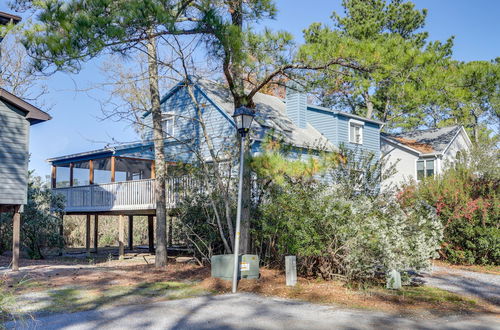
{"points": [[296, 104], [459, 144], [404, 160], [13, 155], [188, 134], [371, 136], [325, 122]]}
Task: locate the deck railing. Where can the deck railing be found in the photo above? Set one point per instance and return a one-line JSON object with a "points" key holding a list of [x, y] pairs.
{"points": [[124, 196]]}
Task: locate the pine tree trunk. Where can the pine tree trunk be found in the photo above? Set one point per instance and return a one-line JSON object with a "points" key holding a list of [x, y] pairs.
{"points": [[159, 146]]}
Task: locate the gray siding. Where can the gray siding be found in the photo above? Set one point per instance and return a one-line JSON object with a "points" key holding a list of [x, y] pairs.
{"points": [[14, 130]]}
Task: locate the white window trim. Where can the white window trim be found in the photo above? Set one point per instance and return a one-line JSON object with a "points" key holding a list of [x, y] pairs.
{"points": [[167, 116], [425, 167], [358, 123]]}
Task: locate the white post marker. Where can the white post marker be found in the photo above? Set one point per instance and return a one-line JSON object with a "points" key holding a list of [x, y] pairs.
{"points": [[291, 270]]}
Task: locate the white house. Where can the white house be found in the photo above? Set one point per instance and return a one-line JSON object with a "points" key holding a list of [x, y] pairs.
{"points": [[422, 153]]}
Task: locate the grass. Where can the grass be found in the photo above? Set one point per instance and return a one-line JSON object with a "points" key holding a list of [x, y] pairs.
{"points": [[73, 299], [430, 295]]}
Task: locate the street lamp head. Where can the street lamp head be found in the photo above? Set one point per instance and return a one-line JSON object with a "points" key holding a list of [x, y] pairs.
{"points": [[243, 118]]}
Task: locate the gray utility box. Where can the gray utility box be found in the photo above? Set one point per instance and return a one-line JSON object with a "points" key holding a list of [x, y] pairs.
{"points": [[223, 265]]}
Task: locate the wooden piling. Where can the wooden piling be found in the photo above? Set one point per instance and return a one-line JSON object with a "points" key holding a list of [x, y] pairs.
{"points": [[16, 236], [151, 234], [130, 232], [121, 237], [96, 233], [87, 235]]}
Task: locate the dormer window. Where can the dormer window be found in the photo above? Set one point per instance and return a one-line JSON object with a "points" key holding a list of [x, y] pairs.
{"points": [[167, 124], [356, 131]]}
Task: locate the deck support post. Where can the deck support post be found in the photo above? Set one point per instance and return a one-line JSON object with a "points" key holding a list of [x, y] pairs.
{"points": [[151, 234], [87, 235], [16, 235], [96, 233], [61, 234], [170, 230], [121, 237], [130, 232]]}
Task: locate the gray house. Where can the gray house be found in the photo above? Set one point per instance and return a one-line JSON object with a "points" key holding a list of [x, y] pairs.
{"points": [[16, 117]]}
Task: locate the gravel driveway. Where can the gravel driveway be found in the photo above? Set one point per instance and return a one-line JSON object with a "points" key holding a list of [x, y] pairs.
{"points": [[479, 285], [245, 311]]}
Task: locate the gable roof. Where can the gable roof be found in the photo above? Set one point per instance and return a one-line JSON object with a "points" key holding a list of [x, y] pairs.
{"points": [[429, 141], [270, 115], [33, 114]]}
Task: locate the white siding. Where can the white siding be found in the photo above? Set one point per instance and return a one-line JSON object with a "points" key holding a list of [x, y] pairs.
{"points": [[405, 162], [461, 143]]}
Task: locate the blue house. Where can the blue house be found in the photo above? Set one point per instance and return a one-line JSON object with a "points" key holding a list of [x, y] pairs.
{"points": [[119, 180]]}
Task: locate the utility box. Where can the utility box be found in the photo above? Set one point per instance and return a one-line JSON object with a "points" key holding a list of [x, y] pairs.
{"points": [[223, 265]]}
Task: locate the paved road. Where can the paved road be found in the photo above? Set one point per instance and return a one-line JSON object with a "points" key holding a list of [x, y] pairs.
{"points": [[479, 285], [244, 311]]}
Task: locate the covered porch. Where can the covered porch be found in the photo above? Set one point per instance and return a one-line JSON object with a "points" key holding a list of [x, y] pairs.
{"points": [[115, 182]]}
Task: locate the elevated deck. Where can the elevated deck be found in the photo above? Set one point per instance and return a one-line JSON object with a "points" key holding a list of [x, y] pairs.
{"points": [[136, 196]]}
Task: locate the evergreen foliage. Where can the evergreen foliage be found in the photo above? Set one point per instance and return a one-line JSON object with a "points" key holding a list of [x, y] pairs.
{"points": [[467, 200]]}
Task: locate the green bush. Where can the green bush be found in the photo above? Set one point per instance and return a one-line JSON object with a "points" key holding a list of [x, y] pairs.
{"points": [[335, 229], [359, 238], [40, 221], [466, 197]]}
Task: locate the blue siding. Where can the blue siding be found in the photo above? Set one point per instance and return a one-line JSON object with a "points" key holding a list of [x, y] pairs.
{"points": [[371, 136], [325, 122], [187, 130], [296, 105]]}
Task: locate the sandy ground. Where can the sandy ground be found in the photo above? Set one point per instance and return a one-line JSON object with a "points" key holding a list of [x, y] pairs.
{"points": [[44, 277]]}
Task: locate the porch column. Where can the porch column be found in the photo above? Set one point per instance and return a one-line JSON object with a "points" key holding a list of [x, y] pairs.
{"points": [[91, 171], [130, 232], [16, 235], [53, 177], [96, 232], [113, 168], [87, 235], [121, 237], [151, 234]]}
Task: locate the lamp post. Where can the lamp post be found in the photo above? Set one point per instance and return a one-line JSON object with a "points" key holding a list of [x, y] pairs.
{"points": [[243, 118]]}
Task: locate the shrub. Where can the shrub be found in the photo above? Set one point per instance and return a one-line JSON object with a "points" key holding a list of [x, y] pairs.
{"points": [[336, 229], [359, 238], [40, 221], [466, 197]]}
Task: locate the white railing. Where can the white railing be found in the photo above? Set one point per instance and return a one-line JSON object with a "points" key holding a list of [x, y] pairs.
{"points": [[124, 196]]}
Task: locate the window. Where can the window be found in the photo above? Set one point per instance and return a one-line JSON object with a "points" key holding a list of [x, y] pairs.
{"points": [[356, 131], [127, 169], [425, 168], [62, 176], [168, 123], [81, 173], [102, 170]]}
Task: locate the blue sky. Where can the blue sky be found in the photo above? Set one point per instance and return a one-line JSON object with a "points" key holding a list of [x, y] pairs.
{"points": [[76, 125]]}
